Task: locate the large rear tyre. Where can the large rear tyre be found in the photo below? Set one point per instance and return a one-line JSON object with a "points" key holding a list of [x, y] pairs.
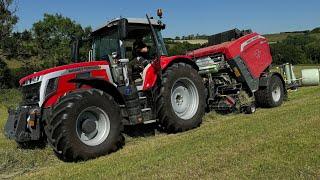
{"points": [[85, 124], [272, 95], [40, 144], [181, 99]]}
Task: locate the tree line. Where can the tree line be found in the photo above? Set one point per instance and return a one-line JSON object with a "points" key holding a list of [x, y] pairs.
{"points": [[48, 43], [298, 49]]}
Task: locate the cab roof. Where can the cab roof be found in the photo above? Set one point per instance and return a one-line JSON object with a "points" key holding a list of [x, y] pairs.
{"points": [[135, 21]]}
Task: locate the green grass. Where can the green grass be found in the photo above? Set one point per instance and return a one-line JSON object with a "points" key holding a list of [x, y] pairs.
{"points": [[278, 143]]}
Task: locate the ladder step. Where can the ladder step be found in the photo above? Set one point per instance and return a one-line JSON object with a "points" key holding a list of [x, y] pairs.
{"points": [[146, 109], [150, 121]]}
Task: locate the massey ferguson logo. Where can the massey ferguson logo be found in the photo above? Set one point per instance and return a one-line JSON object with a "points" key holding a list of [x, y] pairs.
{"points": [[258, 53], [88, 68]]}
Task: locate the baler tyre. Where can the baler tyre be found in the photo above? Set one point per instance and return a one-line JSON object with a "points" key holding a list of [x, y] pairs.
{"points": [[272, 95], [85, 124], [180, 99]]}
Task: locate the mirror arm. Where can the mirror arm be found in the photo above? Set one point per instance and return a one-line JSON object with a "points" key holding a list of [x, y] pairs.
{"points": [[156, 43]]}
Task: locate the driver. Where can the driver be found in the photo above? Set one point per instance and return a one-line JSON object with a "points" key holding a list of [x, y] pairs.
{"points": [[140, 60]]}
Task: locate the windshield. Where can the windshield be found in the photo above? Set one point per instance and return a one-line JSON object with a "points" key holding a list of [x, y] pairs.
{"points": [[105, 45], [145, 36]]}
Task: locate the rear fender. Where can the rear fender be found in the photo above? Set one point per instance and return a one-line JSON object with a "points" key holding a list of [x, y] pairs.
{"points": [[265, 79], [150, 75]]}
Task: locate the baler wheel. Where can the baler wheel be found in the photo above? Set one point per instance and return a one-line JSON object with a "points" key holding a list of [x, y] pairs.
{"points": [[272, 95]]}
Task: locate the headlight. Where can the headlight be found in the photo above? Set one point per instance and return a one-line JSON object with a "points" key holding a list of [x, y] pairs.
{"points": [[52, 86]]}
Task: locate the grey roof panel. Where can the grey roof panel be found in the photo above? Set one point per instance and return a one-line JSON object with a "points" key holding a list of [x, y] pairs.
{"points": [[130, 21]]}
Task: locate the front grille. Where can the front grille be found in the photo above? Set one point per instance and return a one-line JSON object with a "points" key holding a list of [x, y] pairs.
{"points": [[31, 93]]}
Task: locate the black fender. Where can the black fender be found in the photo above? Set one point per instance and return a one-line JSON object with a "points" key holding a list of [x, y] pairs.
{"points": [[264, 80], [101, 84]]}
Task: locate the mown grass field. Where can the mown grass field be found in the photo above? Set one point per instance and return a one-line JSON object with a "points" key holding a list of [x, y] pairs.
{"points": [[279, 143]]}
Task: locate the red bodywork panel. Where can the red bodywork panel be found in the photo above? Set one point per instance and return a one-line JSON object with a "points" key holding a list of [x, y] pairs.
{"points": [[65, 74], [65, 67], [253, 49], [150, 74]]}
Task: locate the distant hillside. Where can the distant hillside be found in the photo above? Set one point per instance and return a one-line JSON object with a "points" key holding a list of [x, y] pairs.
{"points": [[193, 41], [279, 36], [276, 37]]}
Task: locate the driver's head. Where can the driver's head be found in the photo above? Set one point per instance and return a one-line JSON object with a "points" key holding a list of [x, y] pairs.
{"points": [[140, 47]]}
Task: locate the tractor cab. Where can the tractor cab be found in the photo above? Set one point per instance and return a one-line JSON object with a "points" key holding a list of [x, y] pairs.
{"points": [[115, 42], [116, 38]]}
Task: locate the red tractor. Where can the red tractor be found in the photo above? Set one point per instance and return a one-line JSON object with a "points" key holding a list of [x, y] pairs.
{"points": [[81, 109]]}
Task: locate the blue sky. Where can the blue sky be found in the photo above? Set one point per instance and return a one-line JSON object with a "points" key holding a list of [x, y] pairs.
{"points": [[183, 17]]}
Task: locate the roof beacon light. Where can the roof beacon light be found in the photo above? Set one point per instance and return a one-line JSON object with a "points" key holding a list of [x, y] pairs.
{"points": [[159, 13]]}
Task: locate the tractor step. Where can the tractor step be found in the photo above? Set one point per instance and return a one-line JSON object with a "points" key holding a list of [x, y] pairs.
{"points": [[146, 109], [150, 121]]}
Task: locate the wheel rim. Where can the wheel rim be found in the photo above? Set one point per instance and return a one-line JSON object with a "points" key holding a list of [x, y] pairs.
{"points": [[276, 94], [93, 126], [184, 98]]}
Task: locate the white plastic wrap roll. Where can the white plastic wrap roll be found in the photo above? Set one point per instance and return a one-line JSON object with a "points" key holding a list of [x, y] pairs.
{"points": [[310, 77]]}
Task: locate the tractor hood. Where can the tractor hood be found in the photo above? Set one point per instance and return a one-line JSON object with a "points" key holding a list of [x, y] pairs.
{"points": [[83, 66]]}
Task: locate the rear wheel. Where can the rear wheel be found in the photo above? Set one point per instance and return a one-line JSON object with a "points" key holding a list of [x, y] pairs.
{"points": [[272, 95], [180, 103], [85, 124]]}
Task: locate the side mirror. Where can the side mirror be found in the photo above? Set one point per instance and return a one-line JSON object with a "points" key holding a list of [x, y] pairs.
{"points": [[123, 31]]}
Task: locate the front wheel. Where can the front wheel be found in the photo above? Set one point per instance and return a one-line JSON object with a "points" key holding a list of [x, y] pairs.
{"points": [[181, 101], [32, 144], [85, 124]]}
